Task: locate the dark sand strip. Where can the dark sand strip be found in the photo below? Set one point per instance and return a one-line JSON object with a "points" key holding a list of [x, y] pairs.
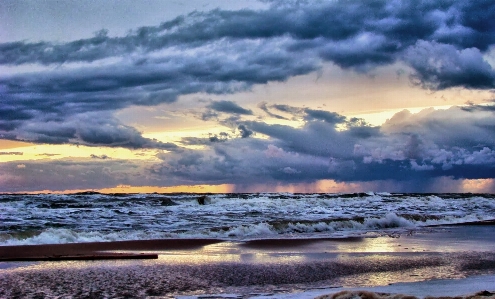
{"points": [[82, 257], [97, 250]]}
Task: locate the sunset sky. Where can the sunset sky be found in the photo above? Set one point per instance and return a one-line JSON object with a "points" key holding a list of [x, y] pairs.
{"points": [[247, 96]]}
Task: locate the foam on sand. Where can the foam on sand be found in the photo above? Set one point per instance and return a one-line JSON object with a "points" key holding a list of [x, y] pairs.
{"points": [[474, 287], [372, 295]]}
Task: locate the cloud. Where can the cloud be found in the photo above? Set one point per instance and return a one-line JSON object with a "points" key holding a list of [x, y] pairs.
{"points": [[448, 128], [440, 66], [225, 52], [71, 174], [427, 151], [472, 107], [238, 161], [229, 107], [70, 92], [287, 108], [264, 106], [416, 149], [326, 116], [11, 153], [92, 129], [102, 157], [302, 113], [289, 170], [245, 132], [221, 137], [319, 136], [209, 114], [48, 155], [390, 26]]}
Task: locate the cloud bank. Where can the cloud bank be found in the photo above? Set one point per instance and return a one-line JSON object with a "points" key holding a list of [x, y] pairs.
{"points": [[433, 143], [433, 150], [224, 52], [67, 93]]}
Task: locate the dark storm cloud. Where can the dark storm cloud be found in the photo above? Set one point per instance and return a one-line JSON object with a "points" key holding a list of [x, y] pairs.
{"points": [[410, 152], [440, 66], [93, 129], [242, 160], [62, 93], [319, 136], [416, 149], [224, 52], [10, 113], [245, 132], [395, 25], [229, 107]]}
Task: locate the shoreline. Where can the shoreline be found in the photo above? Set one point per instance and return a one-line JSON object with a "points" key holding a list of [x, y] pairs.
{"points": [[465, 288], [204, 266], [472, 236]]}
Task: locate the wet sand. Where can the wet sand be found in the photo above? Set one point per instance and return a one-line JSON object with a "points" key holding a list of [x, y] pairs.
{"points": [[194, 267], [96, 249]]}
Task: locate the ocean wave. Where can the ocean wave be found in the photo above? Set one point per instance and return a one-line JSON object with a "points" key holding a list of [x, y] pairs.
{"points": [[95, 217], [391, 223]]}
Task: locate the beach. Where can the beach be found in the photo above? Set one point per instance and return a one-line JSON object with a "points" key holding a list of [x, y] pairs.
{"points": [[277, 268], [247, 149]]}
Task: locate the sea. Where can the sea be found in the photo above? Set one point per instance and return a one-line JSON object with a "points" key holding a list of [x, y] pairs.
{"points": [[27, 219]]}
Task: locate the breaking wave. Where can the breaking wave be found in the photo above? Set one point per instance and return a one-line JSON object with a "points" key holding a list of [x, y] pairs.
{"points": [[56, 219]]}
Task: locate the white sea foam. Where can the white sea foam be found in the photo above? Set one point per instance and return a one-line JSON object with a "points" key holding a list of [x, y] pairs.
{"points": [[86, 218], [390, 220], [260, 229], [348, 228]]}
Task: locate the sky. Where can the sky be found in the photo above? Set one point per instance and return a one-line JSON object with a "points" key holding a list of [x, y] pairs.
{"points": [[247, 96]]}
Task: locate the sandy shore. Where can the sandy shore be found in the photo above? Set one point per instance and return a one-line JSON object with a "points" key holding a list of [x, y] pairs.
{"points": [[97, 249], [277, 267], [138, 279]]}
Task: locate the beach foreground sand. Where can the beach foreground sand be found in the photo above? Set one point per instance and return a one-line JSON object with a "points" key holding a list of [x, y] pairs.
{"points": [[275, 267], [138, 279]]}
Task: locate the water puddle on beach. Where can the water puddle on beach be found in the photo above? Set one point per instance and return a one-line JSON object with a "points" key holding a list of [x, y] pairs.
{"points": [[234, 252], [374, 279]]}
